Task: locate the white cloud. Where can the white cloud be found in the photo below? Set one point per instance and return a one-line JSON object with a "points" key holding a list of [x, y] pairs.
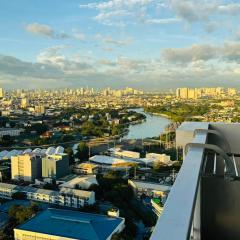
{"points": [[192, 11], [110, 40], [79, 35], [202, 10], [120, 12], [162, 20], [116, 4], [231, 8], [40, 29], [229, 51], [47, 31]]}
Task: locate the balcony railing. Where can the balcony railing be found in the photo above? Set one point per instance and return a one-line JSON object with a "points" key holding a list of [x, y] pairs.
{"points": [[180, 219], [204, 202]]}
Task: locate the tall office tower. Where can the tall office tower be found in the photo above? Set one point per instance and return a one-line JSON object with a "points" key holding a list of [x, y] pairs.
{"points": [[1, 93], [191, 93], [24, 102], [182, 93], [55, 166], [26, 167], [178, 90]]}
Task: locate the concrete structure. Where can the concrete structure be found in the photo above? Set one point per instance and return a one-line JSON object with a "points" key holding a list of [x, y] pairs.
{"points": [[65, 197], [159, 158], [55, 166], [80, 182], [24, 102], [118, 152], [102, 159], [8, 154], [13, 132], [86, 168], [26, 167], [203, 202], [1, 93], [56, 224], [76, 198], [194, 93], [40, 109], [7, 190], [149, 188]]}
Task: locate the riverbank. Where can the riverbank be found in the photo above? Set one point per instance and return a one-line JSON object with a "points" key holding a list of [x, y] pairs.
{"points": [[161, 115], [154, 125]]}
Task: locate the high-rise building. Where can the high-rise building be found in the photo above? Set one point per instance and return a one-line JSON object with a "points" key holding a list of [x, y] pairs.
{"points": [[26, 167], [182, 93], [55, 166], [24, 102], [1, 93]]}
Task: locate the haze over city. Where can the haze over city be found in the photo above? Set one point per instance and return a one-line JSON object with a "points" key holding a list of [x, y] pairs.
{"points": [[138, 43]]}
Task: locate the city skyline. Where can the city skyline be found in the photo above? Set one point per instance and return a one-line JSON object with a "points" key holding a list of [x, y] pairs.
{"points": [[145, 44]]}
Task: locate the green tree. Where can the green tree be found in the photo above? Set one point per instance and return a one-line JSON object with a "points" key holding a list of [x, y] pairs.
{"points": [[82, 151], [40, 128], [20, 214], [70, 154], [19, 195]]}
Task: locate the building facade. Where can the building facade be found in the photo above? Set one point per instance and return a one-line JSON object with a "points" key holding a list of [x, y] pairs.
{"points": [[55, 166], [26, 167], [65, 197]]}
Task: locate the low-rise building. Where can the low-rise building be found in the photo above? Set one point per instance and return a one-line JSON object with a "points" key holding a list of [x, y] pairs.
{"points": [[7, 190], [149, 188], [13, 132], [58, 224], [86, 168], [78, 182], [65, 197], [159, 158], [123, 153]]}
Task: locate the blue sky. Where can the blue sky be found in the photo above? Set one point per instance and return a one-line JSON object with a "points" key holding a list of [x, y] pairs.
{"points": [[148, 44]]}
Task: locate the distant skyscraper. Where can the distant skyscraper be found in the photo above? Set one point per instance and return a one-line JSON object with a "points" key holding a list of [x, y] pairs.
{"points": [[1, 93], [182, 93], [24, 102]]}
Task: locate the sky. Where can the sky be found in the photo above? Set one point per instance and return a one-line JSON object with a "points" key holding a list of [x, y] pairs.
{"points": [[146, 44]]}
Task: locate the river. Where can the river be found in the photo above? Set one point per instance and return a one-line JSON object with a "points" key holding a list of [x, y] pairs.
{"points": [[153, 126]]}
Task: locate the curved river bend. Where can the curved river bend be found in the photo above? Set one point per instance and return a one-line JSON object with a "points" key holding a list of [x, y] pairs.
{"points": [[153, 126]]}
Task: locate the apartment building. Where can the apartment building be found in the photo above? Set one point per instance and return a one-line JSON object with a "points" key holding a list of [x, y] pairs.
{"points": [[55, 166], [13, 132], [65, 197], [26, 167]]}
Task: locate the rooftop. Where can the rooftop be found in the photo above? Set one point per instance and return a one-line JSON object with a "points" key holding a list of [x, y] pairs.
{"points": [[76, 192], [72, 224], [150, 185]]}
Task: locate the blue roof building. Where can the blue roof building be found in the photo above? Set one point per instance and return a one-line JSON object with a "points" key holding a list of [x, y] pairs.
{"points": [[66, 224]]}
